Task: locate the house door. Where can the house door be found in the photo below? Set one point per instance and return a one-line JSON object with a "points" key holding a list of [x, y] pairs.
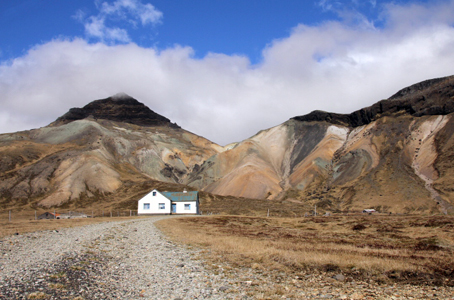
{"points": [[174, 208]]}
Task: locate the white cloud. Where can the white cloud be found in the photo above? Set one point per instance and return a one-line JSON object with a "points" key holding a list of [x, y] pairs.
{"points": [[328, 5], [120, 10], [335, 66], [147, 13], [339, 5], [95, 27], [350, 11]]}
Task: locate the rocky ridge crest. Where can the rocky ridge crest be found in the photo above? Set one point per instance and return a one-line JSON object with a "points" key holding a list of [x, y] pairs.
{"points": [[426, 98], [119, 108]]}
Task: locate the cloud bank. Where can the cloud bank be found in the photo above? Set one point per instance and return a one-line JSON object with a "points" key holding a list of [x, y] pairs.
{"points": [[336, 66]]}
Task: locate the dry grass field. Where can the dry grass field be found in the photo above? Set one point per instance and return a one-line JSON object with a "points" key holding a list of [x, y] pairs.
{"points": [[24, 221], [401, 249]]}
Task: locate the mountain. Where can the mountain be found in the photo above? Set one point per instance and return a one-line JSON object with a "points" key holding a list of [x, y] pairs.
{"points": [[395, 156], [95, 153], [119, 108]]}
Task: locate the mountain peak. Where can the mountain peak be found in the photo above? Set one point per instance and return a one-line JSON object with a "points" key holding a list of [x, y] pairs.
{"points": [[429, 97], [120, 96], [119, 108]]}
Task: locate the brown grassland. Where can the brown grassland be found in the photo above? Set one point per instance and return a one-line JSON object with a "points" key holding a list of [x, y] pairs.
{"points": [[24, 222], [385, 249], [412, 249]]}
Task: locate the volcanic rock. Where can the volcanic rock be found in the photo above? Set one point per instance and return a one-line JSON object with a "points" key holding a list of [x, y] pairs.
{"points": [[120, 108], [430, 97]]}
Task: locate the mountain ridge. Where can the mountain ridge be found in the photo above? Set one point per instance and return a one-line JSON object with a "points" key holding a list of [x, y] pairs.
{"points": [[120, 108], [337, 160], [395, 156], [411, 99]]}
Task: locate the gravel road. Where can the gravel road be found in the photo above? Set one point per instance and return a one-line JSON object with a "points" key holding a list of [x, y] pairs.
{"points": [[134, 260], [115, 260]]}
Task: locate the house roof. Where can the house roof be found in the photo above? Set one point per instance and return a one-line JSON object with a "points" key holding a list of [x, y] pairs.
{"points": [[50, 213], [181, 197]]}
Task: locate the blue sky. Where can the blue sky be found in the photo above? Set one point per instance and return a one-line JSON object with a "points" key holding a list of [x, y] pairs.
{"points": [[238, 66], [223, 26]]}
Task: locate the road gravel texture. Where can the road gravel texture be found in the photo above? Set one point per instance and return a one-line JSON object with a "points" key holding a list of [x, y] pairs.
{"points": [[115, 260], [134, 260]]}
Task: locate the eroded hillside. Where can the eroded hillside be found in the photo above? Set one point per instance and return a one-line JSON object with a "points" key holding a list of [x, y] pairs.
{"points": [[394, 156], [92, 158]]}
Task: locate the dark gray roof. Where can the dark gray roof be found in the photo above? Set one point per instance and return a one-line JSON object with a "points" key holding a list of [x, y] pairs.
{"points": [[182, 197]]}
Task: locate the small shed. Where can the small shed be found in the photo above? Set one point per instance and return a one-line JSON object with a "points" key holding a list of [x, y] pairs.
{"points": [[47, 215], [167, 203]]}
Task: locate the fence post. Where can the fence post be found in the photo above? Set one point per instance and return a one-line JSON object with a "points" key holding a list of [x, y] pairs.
{"points": [[9, 216], [35, 216], [111, 214]]}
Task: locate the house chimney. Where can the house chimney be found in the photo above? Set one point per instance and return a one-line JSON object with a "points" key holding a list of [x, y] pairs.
{"points": [[184, 191]]}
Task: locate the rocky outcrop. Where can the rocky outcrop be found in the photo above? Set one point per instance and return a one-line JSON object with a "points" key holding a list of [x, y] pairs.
{"points": [[430, 97], [118, 108]]}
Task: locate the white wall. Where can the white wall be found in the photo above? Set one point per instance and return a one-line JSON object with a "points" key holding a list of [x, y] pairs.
{"points": [[180, 207], [154, 204]]}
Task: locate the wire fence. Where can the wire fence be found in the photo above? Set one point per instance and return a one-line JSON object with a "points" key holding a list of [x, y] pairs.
{"points": [[11, 215]]}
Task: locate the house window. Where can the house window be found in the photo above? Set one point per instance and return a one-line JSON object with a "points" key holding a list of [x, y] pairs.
{"points": [[146, 206], [162, 206], [154, 193], [187, 207]]}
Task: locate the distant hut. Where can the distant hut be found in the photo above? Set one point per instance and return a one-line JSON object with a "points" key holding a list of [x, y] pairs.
{"points": [[48, 215], [71, 215]]}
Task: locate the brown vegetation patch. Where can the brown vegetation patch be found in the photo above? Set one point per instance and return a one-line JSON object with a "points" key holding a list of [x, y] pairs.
{"points": [[25, 222], [386, 249]]}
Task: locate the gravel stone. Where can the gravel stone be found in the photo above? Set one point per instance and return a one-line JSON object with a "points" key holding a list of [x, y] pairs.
{"points": [[114, 260], [134, 260]]}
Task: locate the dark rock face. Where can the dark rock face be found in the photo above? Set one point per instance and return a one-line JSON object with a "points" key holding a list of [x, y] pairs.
{"points": [[417, 87], [430, 97], [307, 137], [119, 108]]}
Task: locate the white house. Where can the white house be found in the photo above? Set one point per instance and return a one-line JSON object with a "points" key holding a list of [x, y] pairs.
{"points": [[167, 203]]}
